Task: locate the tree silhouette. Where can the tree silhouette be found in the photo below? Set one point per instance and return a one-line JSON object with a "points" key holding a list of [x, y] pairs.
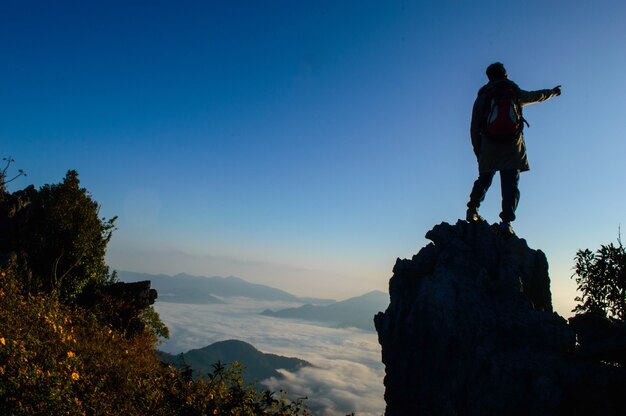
{"points": [[601, 279], [64, 240]]}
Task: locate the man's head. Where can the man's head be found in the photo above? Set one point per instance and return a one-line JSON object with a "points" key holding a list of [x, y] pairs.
{"points": [[496, 71]]}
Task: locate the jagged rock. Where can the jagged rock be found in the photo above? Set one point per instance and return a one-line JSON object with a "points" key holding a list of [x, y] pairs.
{"points": [[15, 203], [15, 210], [138, 295], [470, 331]]}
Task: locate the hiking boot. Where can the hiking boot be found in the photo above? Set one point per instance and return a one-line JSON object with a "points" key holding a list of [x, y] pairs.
{"points": [[506, 230], [472, 216]]}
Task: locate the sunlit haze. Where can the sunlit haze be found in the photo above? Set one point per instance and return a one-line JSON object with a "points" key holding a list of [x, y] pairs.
{"points": [[307, 145]]}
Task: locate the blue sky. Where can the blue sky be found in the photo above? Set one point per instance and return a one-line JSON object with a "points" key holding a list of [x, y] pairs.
{"points": [[308, 144]]}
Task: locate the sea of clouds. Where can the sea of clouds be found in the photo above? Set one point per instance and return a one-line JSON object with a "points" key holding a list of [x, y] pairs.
{"points": [[347, 373]]}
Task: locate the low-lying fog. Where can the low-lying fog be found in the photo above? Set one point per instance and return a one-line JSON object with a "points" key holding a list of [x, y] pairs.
{"points": [[348, 373]]}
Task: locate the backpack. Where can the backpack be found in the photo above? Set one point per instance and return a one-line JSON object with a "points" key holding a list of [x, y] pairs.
{"points": [[502, 114]]}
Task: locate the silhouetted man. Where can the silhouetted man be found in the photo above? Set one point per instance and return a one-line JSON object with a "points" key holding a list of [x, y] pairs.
{"points": [[498, 141]]}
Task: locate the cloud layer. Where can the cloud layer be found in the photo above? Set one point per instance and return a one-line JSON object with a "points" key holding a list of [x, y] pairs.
{"points": [[347, 374]]}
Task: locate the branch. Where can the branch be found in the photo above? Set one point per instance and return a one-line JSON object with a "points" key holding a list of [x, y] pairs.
{"points": [[3, 172], [20, 173]]}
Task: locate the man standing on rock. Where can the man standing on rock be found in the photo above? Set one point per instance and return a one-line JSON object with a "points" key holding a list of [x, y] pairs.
{"points": [[498, 141]]}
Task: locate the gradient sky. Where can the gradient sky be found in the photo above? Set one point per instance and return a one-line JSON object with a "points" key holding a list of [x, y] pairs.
{"points": [[306, 145]]}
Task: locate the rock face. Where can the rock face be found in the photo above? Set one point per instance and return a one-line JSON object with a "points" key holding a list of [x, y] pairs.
{"points": [[470, 331]]}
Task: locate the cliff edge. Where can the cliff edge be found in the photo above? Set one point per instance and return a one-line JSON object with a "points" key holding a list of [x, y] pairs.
{"points": [[470, 330]]}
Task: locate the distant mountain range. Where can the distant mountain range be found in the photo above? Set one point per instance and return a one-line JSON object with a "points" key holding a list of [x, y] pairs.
{"points": [[257, 365], [355, 312], [184, 288]]}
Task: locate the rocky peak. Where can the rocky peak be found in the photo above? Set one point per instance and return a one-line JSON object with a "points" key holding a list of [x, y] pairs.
{"points": [[470, 330]]}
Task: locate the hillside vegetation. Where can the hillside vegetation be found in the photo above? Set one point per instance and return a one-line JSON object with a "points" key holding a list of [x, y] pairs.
{"points": [[68, 347]]}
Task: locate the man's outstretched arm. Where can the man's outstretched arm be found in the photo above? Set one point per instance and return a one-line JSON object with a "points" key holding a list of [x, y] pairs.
{"points": [[531, 97]]}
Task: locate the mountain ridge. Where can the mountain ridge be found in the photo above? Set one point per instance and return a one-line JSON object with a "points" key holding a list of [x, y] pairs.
{"points": [[186, 288], [352, 312], [258, 365]]}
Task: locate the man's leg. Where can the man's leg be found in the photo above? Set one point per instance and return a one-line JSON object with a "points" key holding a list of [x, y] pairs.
{"points": [[509, 180], [479, 190]]}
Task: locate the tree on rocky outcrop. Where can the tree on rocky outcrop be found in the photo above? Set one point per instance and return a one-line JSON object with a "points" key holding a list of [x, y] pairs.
{"points": [[58, 233], [601, 279], [56, 239]]}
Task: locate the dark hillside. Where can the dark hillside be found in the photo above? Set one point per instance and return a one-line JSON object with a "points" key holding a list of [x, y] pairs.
{"points": [[257, 365]]}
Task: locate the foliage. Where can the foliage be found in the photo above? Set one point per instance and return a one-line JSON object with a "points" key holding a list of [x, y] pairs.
{"points": [[59, 359], [152, 320], [601, 279], [64, 241], [61, 244]]}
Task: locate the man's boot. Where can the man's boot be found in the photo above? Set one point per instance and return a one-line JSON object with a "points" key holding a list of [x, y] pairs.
{"points": [[472, 215]]}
